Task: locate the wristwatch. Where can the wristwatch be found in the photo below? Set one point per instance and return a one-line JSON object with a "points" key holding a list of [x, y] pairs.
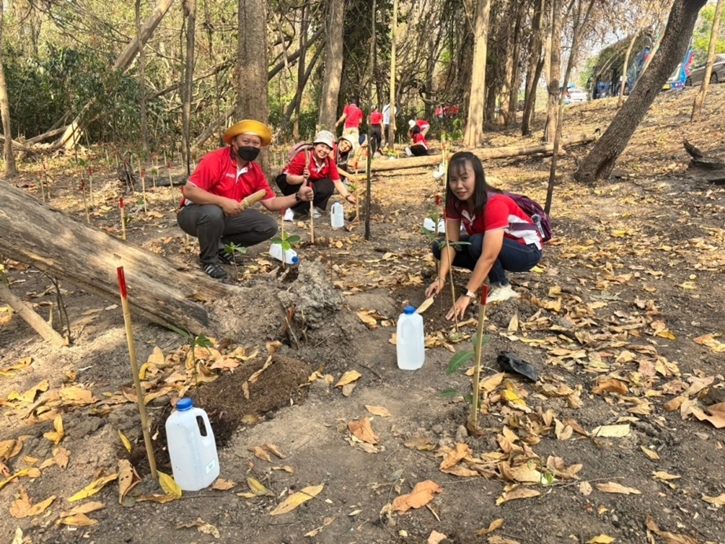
{"points": [[470, 294]]}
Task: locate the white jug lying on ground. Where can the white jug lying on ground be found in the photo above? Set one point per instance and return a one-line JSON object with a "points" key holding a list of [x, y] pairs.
{"points": [[290, 256], [429, 225]]}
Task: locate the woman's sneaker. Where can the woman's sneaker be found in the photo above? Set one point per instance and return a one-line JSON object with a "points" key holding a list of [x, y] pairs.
{"points": [[499, 293], [214, 270]]}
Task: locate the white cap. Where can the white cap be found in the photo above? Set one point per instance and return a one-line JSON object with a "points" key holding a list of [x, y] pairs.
{"points": [[324, 137], [411, 123]]}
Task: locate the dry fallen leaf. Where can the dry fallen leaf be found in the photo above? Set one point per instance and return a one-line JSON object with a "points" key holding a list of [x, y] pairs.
{"points": [[85, 508], [585, 488], [422, 494], [294, 500], [651, 455], [261, 453], [717, 501], [601, 539], [77, 520], [349, 377], [22, 507], [275, 450], [363, 431], [222, 485], [56, 436], [425, 305], [435, 537], [518, 493], [128, 478], [669, 538], [660, 475], [614, 487], [314, 532], [169, 485], [611, 431], [378, 411], [495, 524], [495, 539], [91, 489], [202, 526], [125, 441]]}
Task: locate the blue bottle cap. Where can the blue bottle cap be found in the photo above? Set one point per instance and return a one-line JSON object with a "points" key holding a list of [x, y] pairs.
{"points": [[295, 259], [184, 404], [408, 310]]}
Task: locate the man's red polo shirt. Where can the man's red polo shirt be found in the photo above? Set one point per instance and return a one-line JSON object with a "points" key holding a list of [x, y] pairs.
{"points": [[217, 174]]}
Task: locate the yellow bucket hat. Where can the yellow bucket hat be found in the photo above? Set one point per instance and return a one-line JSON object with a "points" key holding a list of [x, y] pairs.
{"points": [[248, 126]]}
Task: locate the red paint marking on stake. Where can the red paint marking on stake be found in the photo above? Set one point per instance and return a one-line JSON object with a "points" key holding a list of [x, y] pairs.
{"points": [[121, 203], [122, 282], [484, 294], [438, 200], [90, 170]]}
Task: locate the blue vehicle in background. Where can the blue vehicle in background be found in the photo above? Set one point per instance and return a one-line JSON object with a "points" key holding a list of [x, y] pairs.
{"points": [[679, 77]]}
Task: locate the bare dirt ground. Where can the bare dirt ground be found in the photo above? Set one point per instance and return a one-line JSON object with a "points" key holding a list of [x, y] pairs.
{"points": [[621, 320]]}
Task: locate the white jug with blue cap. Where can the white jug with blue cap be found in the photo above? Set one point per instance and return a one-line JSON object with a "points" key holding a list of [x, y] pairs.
{"points": [[337, 216], [192, 448], [410, 340]]}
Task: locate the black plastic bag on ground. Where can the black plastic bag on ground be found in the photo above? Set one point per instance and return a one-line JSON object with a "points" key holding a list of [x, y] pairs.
{"points": [[510, 362]]}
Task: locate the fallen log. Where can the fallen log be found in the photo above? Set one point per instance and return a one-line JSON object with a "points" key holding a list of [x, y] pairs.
{"points": [[699, 160], [483, 154], [55, 243]]}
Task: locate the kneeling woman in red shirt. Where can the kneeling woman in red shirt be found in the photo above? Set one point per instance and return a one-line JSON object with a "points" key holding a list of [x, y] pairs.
{"points": [[316, 167], [493, 247]]}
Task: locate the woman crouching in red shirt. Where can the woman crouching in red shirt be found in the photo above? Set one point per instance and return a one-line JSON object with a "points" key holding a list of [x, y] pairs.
{"points": [[317, 168], [493, 247]]}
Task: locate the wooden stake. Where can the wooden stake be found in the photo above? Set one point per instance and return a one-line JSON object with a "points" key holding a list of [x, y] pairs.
{"points": [[143, 191], [171, 183], [123, 218], [312, 203], [450, 268], [90, 184], [85, 202], [479, 349], [42, 187], [368, 195], [134, 370]]}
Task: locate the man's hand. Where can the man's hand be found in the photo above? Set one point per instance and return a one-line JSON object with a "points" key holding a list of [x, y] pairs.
{"points": [[231, 207], [306, 193]]}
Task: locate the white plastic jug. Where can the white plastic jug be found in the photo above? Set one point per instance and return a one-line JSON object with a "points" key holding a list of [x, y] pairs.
{"points": [[290, 256], [410, 340], [337, 216], [192, 448], [429, 225]]}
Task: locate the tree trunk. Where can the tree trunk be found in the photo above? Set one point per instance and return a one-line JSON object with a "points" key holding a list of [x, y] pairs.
{"points": [[533, 71], [514, 83], [700, 97], [51, 241], [391, 128], [553, 77], [301, 79], [603, 156], [11, 169], [335, 22], [483, 154], [473, 136], [188, 85], [142, 88], [301, 84]]}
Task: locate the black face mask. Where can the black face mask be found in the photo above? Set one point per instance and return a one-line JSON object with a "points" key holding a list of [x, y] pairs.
{"points": [[247, 152]]}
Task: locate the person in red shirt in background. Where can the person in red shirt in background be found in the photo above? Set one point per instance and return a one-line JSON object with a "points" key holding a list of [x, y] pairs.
{"points": [[353, 116], [420, 146], [211, 208], [422, 124], [375, 120], [493, 246], [314, 168]]}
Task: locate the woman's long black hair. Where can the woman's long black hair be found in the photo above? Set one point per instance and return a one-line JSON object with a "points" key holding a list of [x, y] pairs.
{"points": [[457, 165]]}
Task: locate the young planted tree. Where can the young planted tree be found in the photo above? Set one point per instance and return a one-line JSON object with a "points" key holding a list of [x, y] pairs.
{"points": [[334, 21], [142, 86], [393, 107], [700, 97], [473, 135], [603, 156], [10, 168]]}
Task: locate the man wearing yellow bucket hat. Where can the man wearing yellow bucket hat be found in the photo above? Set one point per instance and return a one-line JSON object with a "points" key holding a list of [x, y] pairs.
{"points": [[212, 208]]}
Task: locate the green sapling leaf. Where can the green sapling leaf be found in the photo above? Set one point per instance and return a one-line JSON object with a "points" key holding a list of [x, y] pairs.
{"points": [[449, 393], [458, 360]]}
